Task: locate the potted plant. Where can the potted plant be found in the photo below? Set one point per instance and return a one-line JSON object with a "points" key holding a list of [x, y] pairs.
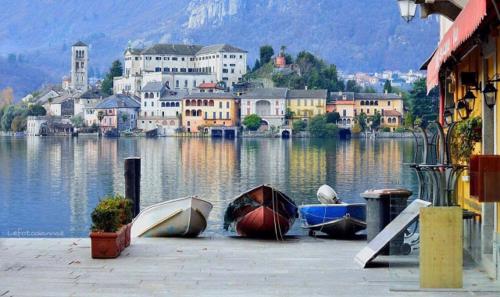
{"points": [[111, 224], [467, 134]]}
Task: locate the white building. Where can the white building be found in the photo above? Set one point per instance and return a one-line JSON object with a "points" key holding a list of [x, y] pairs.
{"points": [[269, 103], [79, 66], [84, 105], [34, 125], [161, 109], [182, 66]]}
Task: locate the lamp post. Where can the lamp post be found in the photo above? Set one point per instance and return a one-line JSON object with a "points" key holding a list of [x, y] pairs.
{"points": [[407, 8]]}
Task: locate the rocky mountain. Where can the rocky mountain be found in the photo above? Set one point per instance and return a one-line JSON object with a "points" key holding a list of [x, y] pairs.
{"points": [[363, 35]]}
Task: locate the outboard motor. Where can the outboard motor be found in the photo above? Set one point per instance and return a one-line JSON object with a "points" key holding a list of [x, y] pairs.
{"points": [[327, 195]]}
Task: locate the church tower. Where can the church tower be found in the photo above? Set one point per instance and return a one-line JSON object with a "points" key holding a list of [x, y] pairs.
{"points": [[79, 66]]}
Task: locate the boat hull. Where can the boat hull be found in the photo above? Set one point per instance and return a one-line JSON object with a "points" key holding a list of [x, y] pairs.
{"points": [[262, 212], [185, 217], [263, 222], [336, 220]]}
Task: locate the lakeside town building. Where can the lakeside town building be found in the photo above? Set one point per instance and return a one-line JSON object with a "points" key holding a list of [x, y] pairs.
{"points": [[268, 103], [349, 105], [305, 104], [181, 66], [161, 109], [203, 110], [119, 112]]}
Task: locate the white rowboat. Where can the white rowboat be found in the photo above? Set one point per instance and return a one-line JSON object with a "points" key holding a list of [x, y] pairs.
{"points": [[183, 217]]}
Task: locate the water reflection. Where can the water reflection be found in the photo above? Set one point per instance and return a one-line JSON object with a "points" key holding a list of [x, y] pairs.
{"points": [[52, 184]]}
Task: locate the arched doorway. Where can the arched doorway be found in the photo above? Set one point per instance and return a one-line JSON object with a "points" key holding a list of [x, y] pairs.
{"points": [[263, 107]]}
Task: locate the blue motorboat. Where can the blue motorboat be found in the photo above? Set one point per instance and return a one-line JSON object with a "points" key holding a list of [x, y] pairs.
{"points": [[336, 220]]}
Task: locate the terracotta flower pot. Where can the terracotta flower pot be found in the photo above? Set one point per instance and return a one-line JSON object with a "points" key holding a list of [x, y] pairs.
{"points": [[127, 234], [105, 245], [122, 237]]}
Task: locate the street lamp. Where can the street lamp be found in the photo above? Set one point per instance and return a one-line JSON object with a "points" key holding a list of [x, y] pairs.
{"points": [[407, 9], [469, 99], [448, 115], [490, 95], [462, 109]]}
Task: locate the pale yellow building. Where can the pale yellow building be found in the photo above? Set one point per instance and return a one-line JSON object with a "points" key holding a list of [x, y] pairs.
{"points": [[305, 104]]}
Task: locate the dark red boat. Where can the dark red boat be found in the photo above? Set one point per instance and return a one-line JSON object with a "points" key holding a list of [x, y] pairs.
{"points": [[262, 212]]}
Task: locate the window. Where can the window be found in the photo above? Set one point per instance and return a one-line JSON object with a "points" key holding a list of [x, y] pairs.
{"points": [[185, 83], [227, 104], [194, 83], [214, 115], [175, 70], [225, 56], [220, 104], [232, 70], [166, 58], [241, 56], [145, 103], [224, 70], [177, 83], [152, 103], [227, 115], [232, 56], [206, 115], [183, 69], [232, 65], [388, 103], [182, 59], [298, 102], [344, 112], [158, 69], [367, 111], [158, 58], [220, 115], [174, 58], [166, 69]]}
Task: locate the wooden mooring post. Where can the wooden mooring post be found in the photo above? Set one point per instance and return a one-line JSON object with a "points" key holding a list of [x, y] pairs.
{"points": [[133, 182]]}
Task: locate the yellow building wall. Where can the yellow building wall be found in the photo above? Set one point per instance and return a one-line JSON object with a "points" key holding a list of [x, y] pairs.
{"points": [[307, 107], [382, 105], [207, 118], [472, 63]]}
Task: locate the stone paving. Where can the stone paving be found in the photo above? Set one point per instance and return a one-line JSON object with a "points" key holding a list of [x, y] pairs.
{"points": [[301, 266]]}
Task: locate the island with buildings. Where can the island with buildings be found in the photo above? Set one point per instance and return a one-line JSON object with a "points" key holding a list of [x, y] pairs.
{"points": [[181, 89]]}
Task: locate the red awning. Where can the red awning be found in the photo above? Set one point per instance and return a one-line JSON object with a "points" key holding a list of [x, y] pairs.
{"points": [[465, 24]]}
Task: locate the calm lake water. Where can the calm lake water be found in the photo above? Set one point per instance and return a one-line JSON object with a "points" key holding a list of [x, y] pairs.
{"points": [[49, 186]]}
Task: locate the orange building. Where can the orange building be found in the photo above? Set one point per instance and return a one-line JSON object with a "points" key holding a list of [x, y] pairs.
{"points": [[203, 110]]}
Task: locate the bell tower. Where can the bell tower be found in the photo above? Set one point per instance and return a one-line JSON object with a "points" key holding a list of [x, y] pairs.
{"points": [[79, 66]]}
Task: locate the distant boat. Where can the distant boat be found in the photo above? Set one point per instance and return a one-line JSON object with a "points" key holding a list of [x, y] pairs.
{"points": [[262, 212], [337, 220], [152, 133], [183, 217]]}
